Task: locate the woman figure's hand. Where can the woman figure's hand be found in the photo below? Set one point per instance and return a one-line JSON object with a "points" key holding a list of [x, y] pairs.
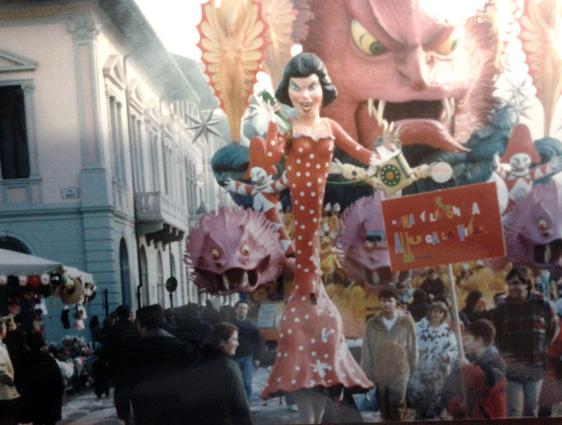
{"points": [[390, 136]]}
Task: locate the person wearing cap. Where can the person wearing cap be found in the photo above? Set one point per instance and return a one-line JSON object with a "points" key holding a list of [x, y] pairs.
{"points": [[526, 325], [438, 351], [389, 353]]}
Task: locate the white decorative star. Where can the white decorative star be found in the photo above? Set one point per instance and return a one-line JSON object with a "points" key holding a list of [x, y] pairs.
{"points": [[204, 126], [320, 368], [325, 333]]}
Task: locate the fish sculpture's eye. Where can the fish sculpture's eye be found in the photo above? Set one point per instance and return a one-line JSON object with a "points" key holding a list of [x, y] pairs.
{"points": [[368, 245], [365, 41], [216, 254], [449, 45], [543, 226], [245, 249]]}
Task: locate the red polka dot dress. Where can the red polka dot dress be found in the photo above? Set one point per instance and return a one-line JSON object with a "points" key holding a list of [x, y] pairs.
{"points": [[311, 350]]}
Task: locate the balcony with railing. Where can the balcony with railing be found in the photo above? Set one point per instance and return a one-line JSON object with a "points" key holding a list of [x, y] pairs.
{"points": [[160, 218]]}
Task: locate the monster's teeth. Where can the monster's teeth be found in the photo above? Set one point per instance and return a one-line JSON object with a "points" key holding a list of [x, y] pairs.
{"points": [[371, 109], [225, 283], [380, 111], [374, 111], [376, 278], [547, 254], [245, 280], [448, 108], [446, 114]]}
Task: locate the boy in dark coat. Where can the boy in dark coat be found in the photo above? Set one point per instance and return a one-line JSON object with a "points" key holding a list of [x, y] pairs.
{"points": [[484, 377]]}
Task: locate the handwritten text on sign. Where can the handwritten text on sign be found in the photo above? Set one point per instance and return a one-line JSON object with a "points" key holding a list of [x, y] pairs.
{"points": [[443, 227]]}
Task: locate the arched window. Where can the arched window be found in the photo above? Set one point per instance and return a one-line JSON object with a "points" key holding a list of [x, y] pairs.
{"points": [[13, 244]]}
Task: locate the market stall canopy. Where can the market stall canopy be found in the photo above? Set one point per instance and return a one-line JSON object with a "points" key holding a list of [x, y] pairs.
{"points": [[16, 263]]}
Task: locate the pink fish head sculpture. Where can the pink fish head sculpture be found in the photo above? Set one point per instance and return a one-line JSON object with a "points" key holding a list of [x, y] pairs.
{"points": [[234, 250], [533, 228], [362, 243]]}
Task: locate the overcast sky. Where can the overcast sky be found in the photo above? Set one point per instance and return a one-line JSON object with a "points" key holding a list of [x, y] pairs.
{"points": [[175, 23]]}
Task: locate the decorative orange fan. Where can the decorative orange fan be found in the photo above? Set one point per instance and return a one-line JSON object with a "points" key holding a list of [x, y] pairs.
{"points": [[232, 43], [280, 16], [541, 35]]}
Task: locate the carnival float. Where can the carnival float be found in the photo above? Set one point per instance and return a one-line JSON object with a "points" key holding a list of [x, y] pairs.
{"points": [[427, 102]]}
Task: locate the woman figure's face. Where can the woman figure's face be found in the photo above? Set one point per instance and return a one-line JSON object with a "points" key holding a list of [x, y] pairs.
{"points": [[306, 95], [231, 344]]}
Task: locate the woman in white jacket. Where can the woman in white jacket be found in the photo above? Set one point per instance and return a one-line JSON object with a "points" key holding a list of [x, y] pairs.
{"points": [[438, 351]]}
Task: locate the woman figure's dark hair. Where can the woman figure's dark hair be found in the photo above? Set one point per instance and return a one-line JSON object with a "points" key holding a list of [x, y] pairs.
{"points": [[303, 65], [220, 333]]}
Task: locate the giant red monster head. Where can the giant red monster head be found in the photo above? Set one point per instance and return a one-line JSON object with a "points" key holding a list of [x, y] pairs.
{"points": [[434, 78]]}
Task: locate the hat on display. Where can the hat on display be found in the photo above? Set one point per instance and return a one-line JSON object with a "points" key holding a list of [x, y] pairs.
{"points": [[72, 291]]}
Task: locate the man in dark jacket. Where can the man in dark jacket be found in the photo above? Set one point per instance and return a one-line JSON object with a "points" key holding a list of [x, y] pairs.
{"points": [[120, 340], [247, 354], [526, 325], [45, 383], [158, 359]]}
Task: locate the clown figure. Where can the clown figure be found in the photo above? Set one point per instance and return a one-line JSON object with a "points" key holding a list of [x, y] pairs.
{"points": [[265, 194], [516, 165]]}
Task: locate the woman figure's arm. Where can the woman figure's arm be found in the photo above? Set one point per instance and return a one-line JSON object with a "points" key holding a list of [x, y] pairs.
{"points": [[355, 150]]}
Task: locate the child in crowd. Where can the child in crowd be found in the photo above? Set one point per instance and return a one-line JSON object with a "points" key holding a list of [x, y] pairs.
{"points": [[483, 378]]}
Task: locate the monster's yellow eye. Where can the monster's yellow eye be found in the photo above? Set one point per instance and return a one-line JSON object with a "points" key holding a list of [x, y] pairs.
{"points": [[449, 45], [365, 41]]}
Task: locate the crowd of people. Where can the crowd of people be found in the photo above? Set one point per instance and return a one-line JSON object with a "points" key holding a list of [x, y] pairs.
{"points": [[507, 353], [31, 382], [191, 365], [195, 364]]}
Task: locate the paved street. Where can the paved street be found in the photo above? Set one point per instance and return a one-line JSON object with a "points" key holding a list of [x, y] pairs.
{"points": [[86, 409]]}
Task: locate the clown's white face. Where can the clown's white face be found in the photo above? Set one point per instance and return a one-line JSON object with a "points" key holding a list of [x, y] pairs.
{"points": [[258, 175], [520, 163]]}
